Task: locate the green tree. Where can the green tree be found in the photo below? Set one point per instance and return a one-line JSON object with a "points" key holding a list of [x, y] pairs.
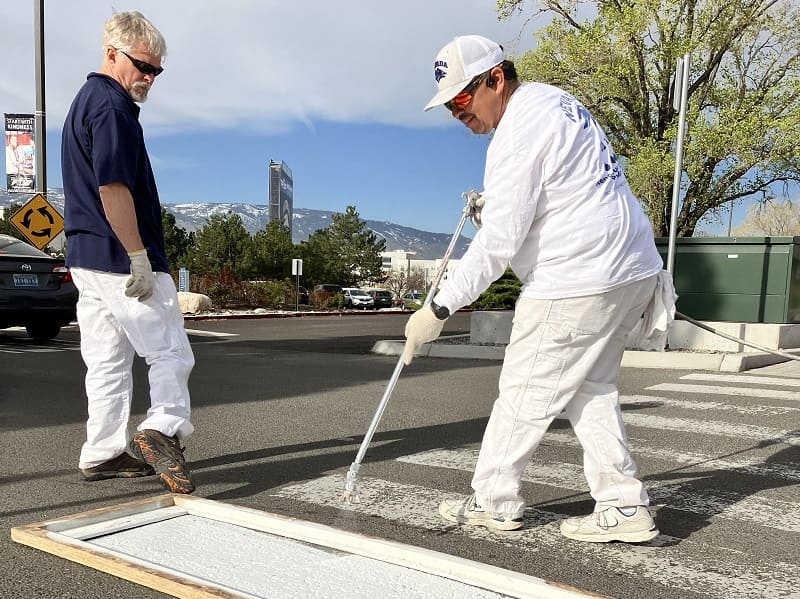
{"points": [[6, 227], [357, 255], [272, 251], [345, 253], [177, 242], [222, 245], [619, 59], [318, 265]]}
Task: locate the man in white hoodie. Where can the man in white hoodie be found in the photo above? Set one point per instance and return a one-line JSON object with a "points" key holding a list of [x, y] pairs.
{"points": [[558, 210]]}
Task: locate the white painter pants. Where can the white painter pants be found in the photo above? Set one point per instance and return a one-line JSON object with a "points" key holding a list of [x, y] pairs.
{"points": [[114, 327], [563, 354]]}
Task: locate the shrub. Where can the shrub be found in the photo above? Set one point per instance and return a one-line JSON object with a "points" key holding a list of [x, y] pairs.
{"points": [[501, 295]]}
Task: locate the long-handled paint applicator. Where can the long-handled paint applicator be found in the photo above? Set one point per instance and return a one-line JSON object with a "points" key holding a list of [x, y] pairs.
{"points": [[350, 492]]}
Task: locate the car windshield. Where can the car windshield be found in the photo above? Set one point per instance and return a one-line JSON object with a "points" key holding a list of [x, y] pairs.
{"points": [[359, 293]]}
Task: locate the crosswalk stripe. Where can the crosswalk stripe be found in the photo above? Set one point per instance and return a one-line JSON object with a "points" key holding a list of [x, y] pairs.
{"points": [[734, 391], [201, 333], [654, 401], [770, 513], [723, 572], [743, 379], [710, 427], [754, 465]]}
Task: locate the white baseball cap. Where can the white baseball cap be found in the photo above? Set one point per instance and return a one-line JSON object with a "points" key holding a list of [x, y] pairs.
{"points": [[459, 62]]}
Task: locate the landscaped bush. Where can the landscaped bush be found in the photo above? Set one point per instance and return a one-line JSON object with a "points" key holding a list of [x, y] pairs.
{"points": [[270, 294], [501, 295]]}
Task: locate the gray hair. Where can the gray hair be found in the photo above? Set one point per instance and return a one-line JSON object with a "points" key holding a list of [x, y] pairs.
{"points": [[127, 30]]}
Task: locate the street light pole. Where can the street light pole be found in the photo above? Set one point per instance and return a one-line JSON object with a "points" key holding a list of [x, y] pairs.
{"points": [[40, 135]]}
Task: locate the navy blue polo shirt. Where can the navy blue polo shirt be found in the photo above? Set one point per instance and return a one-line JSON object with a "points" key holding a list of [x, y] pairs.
{"points": [[102, 143]]}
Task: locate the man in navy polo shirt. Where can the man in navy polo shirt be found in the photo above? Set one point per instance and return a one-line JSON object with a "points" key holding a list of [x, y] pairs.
{"points": [[115, 249]]}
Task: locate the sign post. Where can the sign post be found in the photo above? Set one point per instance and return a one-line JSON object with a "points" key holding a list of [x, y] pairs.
{"points": [[297, 270], [183, 279], [680, 98]]}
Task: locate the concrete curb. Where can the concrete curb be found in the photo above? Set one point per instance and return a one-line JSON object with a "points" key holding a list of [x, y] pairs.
{"points": [[679, 360]]}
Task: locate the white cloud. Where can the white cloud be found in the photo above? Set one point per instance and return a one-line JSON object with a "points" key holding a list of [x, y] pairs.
{"points": [[256, 64]]}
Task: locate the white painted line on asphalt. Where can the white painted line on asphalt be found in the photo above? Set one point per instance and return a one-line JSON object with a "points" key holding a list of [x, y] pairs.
{"points": [[770, 513], [754, 465], [210, 333], [735, 391], [743, 379], [653, 401], [721, 573], [711, 427]]}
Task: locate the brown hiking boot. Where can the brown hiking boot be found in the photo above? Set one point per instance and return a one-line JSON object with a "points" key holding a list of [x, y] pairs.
{"points": [[122, 466], [165, 454]]}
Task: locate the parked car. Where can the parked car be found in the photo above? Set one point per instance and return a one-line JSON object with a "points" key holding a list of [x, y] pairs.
{"points": [[381, 297], [357, 299], [36, 290], [412, 300], [325, 293]]}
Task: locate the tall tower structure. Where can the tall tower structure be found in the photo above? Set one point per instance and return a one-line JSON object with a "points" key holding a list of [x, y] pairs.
{"points": [[281, 186]]}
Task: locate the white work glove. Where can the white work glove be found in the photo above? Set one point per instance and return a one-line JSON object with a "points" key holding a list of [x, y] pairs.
{"points": [[475, 201], [423, 327], [142, 280]]}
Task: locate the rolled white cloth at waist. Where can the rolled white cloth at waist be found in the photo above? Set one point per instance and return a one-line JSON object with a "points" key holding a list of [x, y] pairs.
{"points": [[659, 315]]}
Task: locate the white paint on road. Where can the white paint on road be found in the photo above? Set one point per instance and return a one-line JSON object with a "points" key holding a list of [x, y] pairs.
{"points": [[741, 379], [754, 465], [711, 427], [200, 333], [694, 494], [691, 404], [734, 391], [721, 572]]}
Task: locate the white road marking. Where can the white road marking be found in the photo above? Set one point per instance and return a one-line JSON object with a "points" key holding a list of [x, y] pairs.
{"points": [[711, 427], [200, 333], [767, 512], [754, 465], [722, 572], [692, 404], [735, 391], [743, 379]]}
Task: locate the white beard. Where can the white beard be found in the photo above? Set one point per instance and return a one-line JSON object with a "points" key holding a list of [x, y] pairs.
{"points": [[138, 91]]}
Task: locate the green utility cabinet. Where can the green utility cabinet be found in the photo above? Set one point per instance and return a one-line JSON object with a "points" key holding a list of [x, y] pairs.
{"points": [[737, 279]]}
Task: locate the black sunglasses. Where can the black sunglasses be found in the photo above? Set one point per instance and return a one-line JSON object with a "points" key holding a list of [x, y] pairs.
{"points": [[144, 67]]}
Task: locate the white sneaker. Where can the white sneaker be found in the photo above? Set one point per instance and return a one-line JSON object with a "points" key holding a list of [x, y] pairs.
{"points": [[611, 524], [467, 511]]}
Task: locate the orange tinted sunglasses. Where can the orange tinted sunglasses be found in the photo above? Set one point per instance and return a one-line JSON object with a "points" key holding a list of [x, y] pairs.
{"points": [[464, 97]]}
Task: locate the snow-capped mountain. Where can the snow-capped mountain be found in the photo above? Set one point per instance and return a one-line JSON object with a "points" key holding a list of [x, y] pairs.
{"points": [[427, 245]]}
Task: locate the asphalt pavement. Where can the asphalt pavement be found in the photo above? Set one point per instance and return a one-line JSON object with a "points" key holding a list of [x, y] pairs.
{"points": [[280, 409]]}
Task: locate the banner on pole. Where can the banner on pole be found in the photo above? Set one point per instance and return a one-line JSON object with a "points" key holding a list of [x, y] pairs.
{"points": [[20, 153]]}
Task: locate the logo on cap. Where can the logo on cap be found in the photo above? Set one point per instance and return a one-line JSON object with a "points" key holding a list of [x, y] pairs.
{"points": [[439, 70]]}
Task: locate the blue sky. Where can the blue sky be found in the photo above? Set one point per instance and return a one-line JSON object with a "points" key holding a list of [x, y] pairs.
{"points": [[334, 89]]}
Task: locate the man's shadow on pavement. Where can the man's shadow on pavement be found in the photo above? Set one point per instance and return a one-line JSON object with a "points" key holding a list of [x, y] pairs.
{"points": [[712, 492], [706, 493], [294, 464]]}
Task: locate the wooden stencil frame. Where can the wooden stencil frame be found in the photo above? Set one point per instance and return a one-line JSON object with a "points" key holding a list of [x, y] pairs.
{"points": [[66, 538]]}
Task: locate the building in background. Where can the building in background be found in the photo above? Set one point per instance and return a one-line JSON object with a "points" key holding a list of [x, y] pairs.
{"points": [[281, 186], [405, 261]]}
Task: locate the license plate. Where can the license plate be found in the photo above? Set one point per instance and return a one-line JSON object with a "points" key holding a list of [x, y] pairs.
{"points": [[26, 280]]}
